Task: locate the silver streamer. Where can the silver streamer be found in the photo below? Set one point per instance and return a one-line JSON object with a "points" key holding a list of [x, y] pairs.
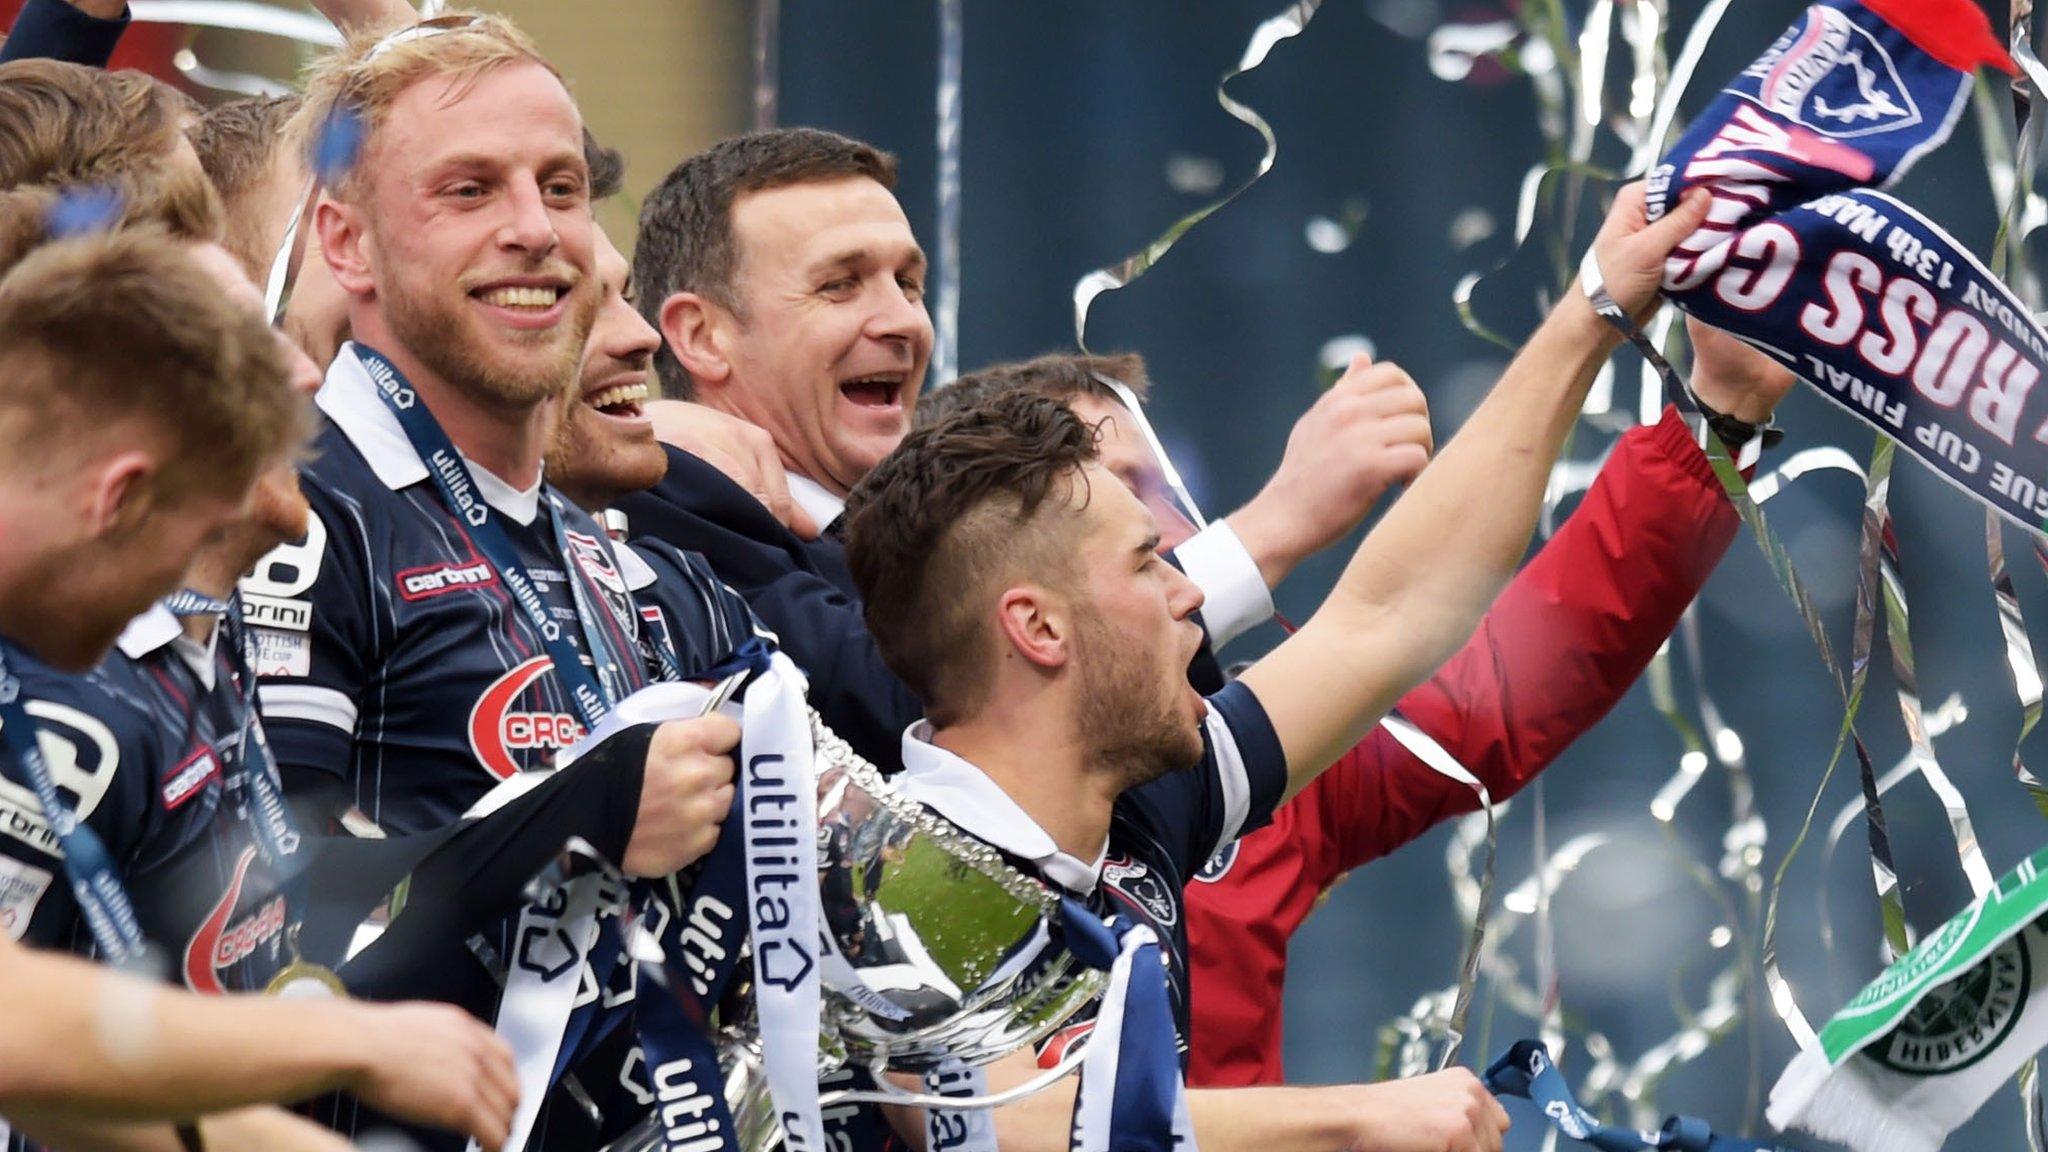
{"points": [[767, 62], [1951, 713], [2023, 212], [946, 259], [1284, 26]]}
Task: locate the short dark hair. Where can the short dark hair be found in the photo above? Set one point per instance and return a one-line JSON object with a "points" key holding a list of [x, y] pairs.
{"points": [[686, 242], [942, 518], [1060, 375], [237, 139], [607, 168]]}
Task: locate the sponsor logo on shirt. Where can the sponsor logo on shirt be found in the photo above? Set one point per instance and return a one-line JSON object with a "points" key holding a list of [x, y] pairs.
{"points": [[221, 941], [21, 889], [415, 584], [273, 612], [281, 653], [188, 778], [500, 734]]}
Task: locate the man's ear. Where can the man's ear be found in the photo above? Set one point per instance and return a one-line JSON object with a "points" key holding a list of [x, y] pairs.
{"points": [[1035, 626], [696, 331], [345, 243], [119, 495]]}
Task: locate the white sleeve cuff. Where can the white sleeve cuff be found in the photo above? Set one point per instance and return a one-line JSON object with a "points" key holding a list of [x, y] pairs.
{"points": [[1235, 598], [308, 702]]}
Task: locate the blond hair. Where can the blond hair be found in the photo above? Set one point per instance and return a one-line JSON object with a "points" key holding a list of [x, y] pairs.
{"points": [[238, 142], [115, 330], [368, 74]]}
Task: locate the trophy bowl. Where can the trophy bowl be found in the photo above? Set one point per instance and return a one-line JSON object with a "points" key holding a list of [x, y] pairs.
{"points": [[937, 950]]}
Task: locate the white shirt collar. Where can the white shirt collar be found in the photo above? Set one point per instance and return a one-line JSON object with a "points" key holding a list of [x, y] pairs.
{"points": [[965, 795], [349, 398], [632, 569], [814, 498], [158, 628]]}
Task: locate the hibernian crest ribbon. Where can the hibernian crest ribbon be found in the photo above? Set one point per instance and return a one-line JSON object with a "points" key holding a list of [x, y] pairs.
{"points": [[1927, 1042]]}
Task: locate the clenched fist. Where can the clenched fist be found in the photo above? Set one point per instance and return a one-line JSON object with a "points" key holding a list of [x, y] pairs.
{"points": [[1448, 1111], [1369, 432], [684, 796]]}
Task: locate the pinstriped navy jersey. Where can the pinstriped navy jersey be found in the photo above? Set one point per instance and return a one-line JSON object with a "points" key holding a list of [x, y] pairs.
{"points": [[392, 655], [143, 749]]}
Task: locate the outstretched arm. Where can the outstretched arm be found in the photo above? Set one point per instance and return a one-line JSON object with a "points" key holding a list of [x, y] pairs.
{"points": [[87, 1042], [1418, 585], [1443, 1110], [263, 1129]]}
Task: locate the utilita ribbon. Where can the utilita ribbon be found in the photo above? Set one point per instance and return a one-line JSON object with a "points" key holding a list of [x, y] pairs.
{"points": [[1526, 1071], [1925, 1044], [1876, 306]]}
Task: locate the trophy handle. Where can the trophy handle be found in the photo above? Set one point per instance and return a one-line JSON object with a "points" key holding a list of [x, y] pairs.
{"points": [[885, 1092]]}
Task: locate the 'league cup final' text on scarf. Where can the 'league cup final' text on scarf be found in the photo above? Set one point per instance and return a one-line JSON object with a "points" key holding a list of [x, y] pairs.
{"points": [[1863, 297]]}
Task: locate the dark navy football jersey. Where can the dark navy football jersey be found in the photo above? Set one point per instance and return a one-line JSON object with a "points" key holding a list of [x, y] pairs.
{"points": [[146, 749], [393, 657], [391, 653], [1160, 833], [685, 607]]}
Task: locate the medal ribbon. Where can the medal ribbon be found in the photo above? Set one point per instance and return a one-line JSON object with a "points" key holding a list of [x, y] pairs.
{"points": [[1525, 1071], [701, 951], [458, 488], [248, 772], [101, 899]]}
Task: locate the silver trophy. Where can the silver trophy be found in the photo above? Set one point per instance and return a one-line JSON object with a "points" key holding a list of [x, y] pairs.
{"points": [[936, 952]]}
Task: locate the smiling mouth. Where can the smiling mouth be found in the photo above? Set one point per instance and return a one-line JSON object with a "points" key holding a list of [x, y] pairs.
{"points": [[533, 298], [881, 390], [623, 401]]}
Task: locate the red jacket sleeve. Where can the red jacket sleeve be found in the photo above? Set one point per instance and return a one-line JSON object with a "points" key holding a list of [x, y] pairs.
{"points": [[1555, 653]]}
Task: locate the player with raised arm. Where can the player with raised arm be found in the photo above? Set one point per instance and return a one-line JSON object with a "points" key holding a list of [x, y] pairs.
{"points": [[1027, 606]]}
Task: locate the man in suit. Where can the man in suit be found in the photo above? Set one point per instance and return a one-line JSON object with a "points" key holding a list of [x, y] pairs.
{"points": [[788, 290]]}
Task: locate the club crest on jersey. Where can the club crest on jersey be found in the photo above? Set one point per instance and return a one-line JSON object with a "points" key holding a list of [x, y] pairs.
{"points": [[415, 584], [500, 734], [596, 562], [221, 941], [1219, 865], [189, 777], [1833, 76], [1142, 887]]}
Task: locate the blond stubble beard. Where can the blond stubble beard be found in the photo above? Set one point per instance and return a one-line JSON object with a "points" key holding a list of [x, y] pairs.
{"points": [[440, 339]]}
